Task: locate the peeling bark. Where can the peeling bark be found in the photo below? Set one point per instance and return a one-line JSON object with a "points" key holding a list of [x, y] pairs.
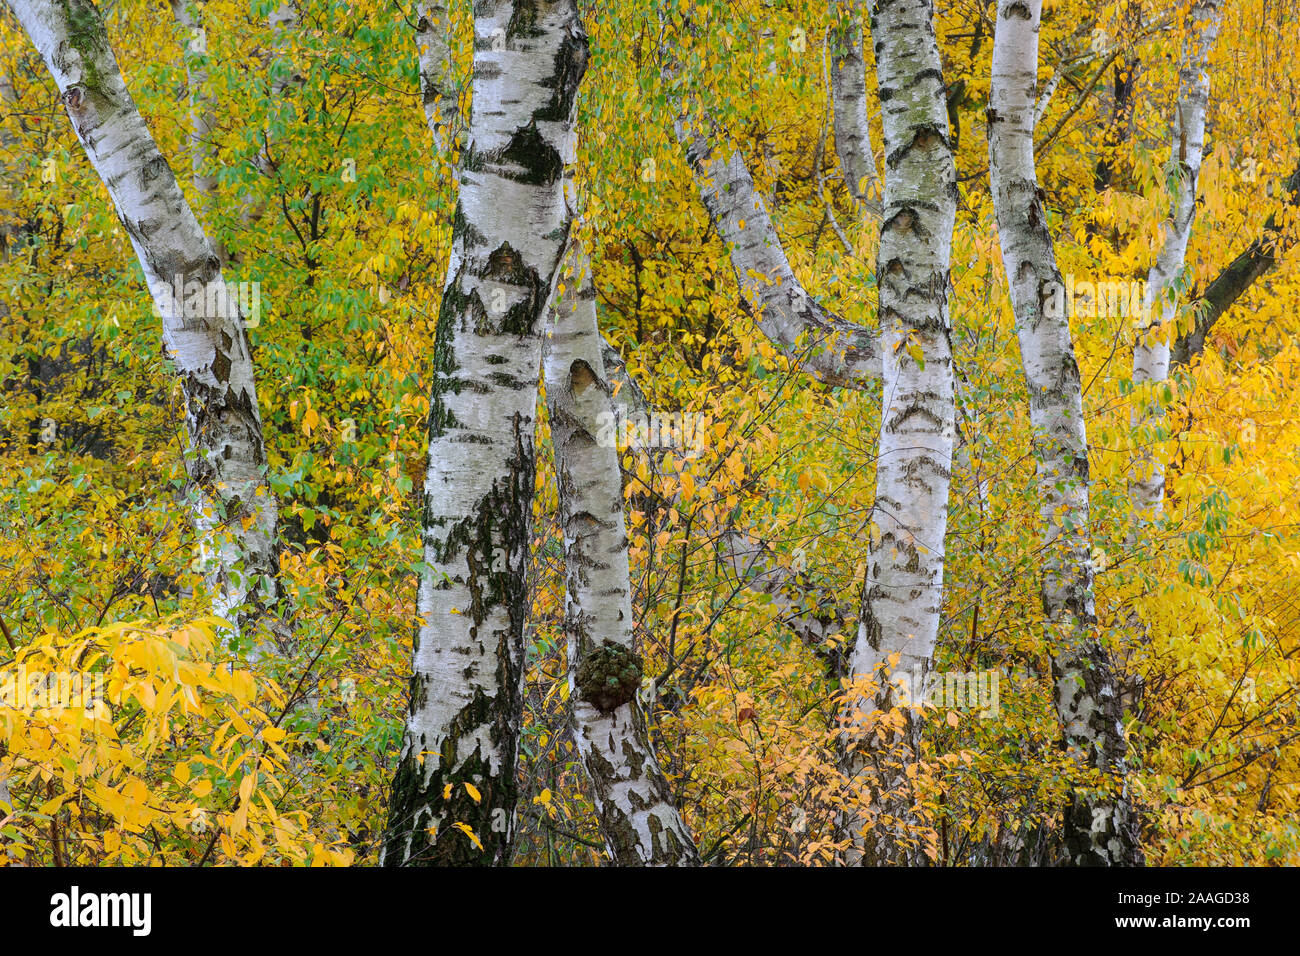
{"points": [[510, 229], [903, 592], [1100, 828], [632, 798], [236, 512]]}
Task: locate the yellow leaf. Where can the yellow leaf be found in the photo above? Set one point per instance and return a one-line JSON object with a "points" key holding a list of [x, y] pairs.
{"points": [[50, 806], [465, 829], [473, 792], [202, 788]]}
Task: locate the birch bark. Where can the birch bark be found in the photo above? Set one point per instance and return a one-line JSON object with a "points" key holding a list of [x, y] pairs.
{"points": [[189, 16], [432, 39], [203, 331], [849, 99], [510, 229], [822, 343], [1100, 827], [633, 801], [903, 593], [1160, 303]]}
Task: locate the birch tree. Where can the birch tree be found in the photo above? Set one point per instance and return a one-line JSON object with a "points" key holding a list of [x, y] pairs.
{"points": [[203, 332], [822, 343], [637, 817], [1164, 280], [1100, 826], [433, 34], [631, 796], [848, 91], [454, 792], [903, 592], [189, 17]]}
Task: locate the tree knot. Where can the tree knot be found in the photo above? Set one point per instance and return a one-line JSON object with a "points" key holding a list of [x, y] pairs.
{"points": [[609, 676]]}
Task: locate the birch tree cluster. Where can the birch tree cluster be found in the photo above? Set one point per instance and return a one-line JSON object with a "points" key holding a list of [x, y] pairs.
{"points": [[533, 432]]}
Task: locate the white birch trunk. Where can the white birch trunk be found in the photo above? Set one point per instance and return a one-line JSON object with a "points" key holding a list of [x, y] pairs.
{"points": [[509, 233], [203, 332], [189, 16], [633, 802], [825, 345], [1160, 304], [1099, 829], [632, 798], [441, 108], [848, 73], [903, 596]]}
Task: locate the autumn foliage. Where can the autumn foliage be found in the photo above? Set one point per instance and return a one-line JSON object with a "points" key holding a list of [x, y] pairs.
{"points": [[199, 753]]}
